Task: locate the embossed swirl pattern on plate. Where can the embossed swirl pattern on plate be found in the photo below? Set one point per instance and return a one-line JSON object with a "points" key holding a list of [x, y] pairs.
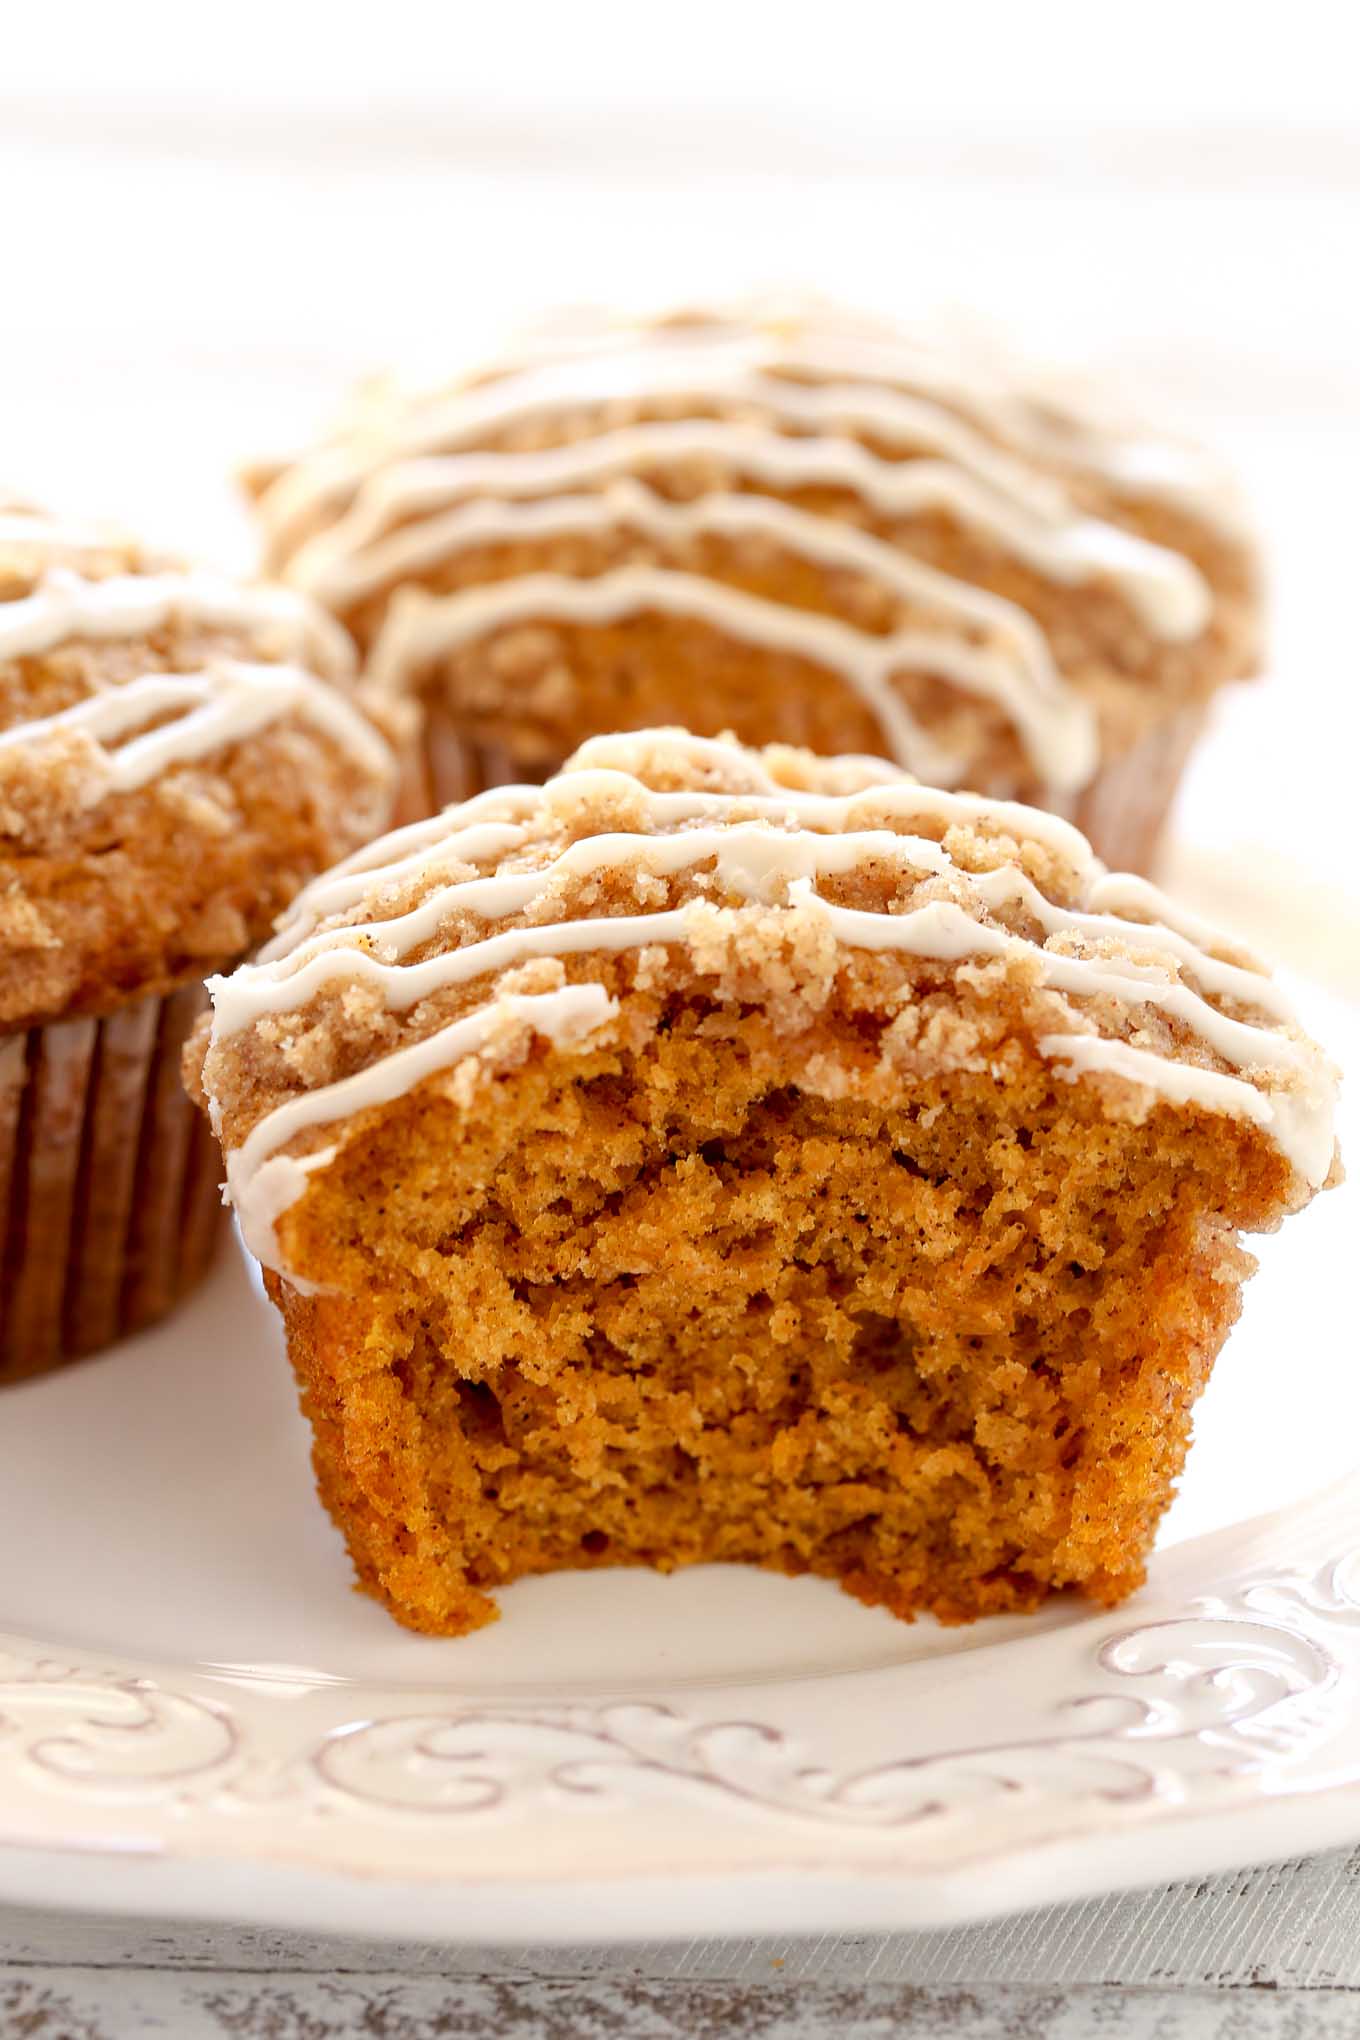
{"points": [[1236, 1693]]}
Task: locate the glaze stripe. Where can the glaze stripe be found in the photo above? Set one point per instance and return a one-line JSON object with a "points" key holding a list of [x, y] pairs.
{"points": [[1011, 666], [65, 605], [1166, 591], [226, 701]]}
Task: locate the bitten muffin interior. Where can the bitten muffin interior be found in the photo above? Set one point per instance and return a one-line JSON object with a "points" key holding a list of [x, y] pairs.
{"points": [[668, 1307], [730, 1155]]}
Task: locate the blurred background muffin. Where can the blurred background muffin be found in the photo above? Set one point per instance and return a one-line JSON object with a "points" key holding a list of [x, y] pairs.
{"points": [[179, 753], [294, 212], [795, 524]]}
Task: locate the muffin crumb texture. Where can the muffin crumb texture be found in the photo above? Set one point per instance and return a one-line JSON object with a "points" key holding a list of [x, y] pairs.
{"points": [[672, 1308]]}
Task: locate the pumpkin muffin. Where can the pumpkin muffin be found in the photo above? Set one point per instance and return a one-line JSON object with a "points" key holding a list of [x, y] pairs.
{"points": [[806, 529], [178, 755], [722, 1155]]}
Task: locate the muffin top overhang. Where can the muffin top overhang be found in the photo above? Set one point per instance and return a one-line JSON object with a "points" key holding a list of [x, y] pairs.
{"points": [[809, 887]]}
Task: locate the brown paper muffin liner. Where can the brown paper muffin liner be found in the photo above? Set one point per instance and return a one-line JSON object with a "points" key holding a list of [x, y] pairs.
{"points": [[109, 1204], [415, 796], [454, 767], [1124, 809]]}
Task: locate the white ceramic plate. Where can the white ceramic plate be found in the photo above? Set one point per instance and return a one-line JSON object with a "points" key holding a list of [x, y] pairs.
{"points": [[198, 1717]]}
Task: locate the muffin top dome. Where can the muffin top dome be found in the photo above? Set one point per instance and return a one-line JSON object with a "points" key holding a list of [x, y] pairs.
{"points": [[179, 753], [894, 928], [1003, 579]]}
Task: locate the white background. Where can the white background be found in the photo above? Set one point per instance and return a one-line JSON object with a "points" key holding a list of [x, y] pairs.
{"points": [[214, 219]]}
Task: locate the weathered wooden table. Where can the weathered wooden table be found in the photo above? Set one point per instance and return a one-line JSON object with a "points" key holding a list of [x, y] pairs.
{"points": [[1262, 1955]]}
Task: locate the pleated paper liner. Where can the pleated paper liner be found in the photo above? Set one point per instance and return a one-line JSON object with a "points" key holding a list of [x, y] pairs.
{"points": [[1123, 811], [456, 765], [109, 1201]]}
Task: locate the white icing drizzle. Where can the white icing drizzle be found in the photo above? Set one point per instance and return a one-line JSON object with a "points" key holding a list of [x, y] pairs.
{"points": [[65, 605], [1166, 591], [604, 764], [748, 859], [361, 554], [767, 851], [1025, 405], [227, 700], [424, 627], [900, 392], [1075, 1055], [1013, 668], [781, 404], [263, 1183]]}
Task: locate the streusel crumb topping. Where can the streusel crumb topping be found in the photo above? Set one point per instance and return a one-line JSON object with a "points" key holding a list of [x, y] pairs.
{"points": [[178, 755]]}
